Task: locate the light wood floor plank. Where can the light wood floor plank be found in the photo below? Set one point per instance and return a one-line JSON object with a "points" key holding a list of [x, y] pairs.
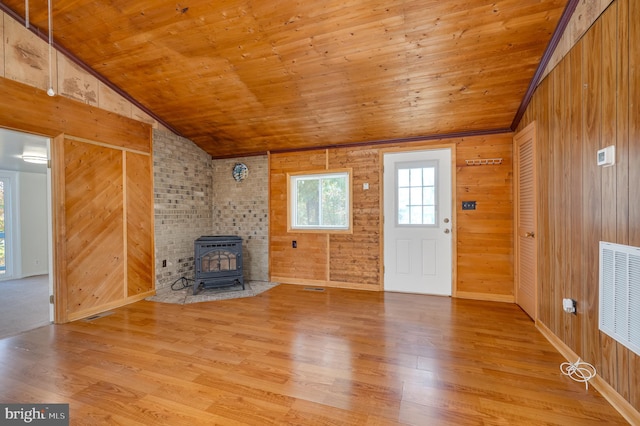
{"points": [[295, 357]]}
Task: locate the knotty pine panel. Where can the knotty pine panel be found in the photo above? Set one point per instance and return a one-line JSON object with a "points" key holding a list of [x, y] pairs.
{"points": [[94, 218], [489, 271], [588, 102], [31, 110], [139, 213], [309, 260], [355, 257]]}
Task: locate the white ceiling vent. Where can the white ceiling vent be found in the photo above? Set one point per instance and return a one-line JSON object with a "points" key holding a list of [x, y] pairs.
{"points": [[620, 293]]}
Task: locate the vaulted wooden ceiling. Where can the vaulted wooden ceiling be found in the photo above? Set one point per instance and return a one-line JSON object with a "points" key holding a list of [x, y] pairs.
{"points": [[241, 77]]}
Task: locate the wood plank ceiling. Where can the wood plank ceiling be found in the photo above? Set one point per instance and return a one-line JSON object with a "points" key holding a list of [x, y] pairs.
{"points": [[241, 77]]}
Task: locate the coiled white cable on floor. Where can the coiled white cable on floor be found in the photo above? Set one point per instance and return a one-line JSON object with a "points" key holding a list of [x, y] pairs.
{"points": [[579, 371]]}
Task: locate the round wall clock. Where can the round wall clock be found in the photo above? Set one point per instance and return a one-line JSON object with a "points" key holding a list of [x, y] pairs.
{"points": [[240, 172]]}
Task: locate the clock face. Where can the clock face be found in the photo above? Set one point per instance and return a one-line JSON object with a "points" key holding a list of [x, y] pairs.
{"points": [[240, 172]]}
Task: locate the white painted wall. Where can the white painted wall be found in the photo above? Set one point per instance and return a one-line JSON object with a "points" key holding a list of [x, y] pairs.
{"points": [[32, 199]]}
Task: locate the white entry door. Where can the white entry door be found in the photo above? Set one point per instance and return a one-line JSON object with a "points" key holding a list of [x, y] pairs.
{"points": [[417, 222]]}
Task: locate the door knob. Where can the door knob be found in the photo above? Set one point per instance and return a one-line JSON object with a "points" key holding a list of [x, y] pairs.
{"points": [[446, 220], [529, 235], [446, 231]]}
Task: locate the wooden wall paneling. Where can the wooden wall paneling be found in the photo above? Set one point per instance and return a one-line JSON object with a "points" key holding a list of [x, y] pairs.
{"points": [[94, 219], [622, 120], [563, 208], [59, 235], [26, 56], [622, 165], [307, 262], [575, 154], [355, 258], [595, 84], [86, 193], [592, 197], [75, 83], [139, 224], [556, 224], [634, 164], [2, 17], [31, 110], [484, 237], [545, 240], [608, 185], [634, 121], [567, 168]]}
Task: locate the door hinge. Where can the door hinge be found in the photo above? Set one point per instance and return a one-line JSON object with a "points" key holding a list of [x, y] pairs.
{"points": [[51, 299], [48, 164]]}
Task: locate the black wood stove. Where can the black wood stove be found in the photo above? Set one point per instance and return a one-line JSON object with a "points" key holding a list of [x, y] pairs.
{"points": [[218, 262]]}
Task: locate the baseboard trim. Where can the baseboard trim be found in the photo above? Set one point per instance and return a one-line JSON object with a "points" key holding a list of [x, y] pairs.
{"points": [[102, 308], [485, 296], [323, 283], [614, 398]]}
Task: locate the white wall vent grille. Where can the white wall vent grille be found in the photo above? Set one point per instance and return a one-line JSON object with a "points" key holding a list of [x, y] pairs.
{"points": [[620, 293]]}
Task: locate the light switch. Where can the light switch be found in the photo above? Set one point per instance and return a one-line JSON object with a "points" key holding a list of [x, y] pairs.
{"points": [[365, 186], [468, 205]]}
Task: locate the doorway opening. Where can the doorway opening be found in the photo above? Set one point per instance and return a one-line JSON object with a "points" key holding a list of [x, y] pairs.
{"points": [[26, 282]]}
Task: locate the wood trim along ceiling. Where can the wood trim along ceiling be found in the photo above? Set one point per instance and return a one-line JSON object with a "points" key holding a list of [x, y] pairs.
{"points": [[546, 57]]}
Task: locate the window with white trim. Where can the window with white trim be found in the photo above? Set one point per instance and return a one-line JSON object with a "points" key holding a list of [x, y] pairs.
{"points": [[320, 201]]}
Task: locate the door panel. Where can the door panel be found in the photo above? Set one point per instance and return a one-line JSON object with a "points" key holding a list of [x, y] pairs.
{"points": [[525, 220], [417, 222], [94, 217], [102, 227]]}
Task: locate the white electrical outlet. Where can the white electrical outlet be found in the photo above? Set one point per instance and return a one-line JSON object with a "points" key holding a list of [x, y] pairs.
{"points": [[569, 306]]}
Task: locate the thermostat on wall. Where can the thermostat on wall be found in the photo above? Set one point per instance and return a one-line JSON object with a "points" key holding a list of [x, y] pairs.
{"points": [[607, 156]]}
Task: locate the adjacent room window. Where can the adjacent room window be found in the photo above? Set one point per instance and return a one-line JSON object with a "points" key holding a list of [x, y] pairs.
{"points": [[3, 238], [320, 201], [416, 184], [8, 190]]}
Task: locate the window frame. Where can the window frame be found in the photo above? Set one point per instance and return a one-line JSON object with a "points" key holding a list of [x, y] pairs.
{"points": [[291, 199]]}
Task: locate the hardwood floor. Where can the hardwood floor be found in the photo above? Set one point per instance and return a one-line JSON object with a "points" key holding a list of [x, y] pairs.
{"points": [[291, 356]]}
